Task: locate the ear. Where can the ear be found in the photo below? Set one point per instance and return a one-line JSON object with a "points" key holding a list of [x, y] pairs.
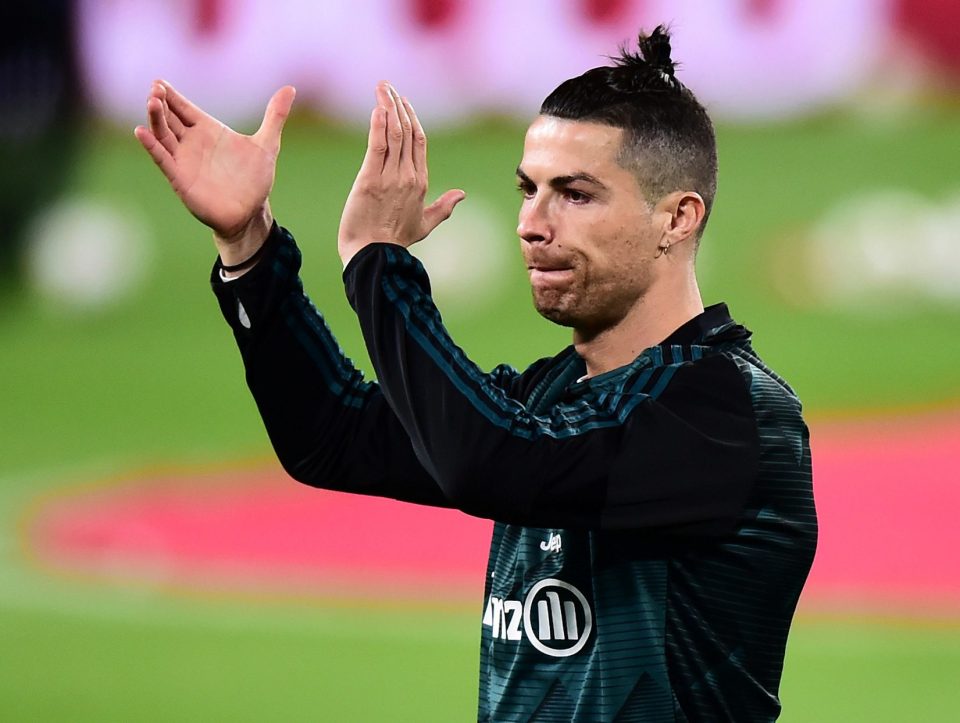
{"points": [[686, 211]]}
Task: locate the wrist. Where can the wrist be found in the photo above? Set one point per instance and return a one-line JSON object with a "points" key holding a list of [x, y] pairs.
{"points": [[349, 249], [244, 245]]}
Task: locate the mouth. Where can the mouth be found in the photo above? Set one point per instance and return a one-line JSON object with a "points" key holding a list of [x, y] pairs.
{"points": [[549, 274]]}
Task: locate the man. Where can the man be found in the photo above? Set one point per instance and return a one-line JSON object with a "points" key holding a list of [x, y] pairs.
{"points": [[650, 484]]}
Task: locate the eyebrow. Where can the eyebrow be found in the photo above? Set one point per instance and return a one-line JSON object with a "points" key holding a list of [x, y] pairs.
{"points": [[563, 181]]}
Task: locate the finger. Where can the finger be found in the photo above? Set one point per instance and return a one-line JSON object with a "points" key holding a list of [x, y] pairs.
{"points": [[176, 126], [406, 125], [278, 110], [187, 112], [376, 155], [157, 121], [160, 155], [384, 99], [419, 140], [394, 129], [440, 210]]}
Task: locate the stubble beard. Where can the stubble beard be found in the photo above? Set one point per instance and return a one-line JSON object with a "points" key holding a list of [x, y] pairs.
{"points": [[587, 309], [551, 306], [576, 308]]}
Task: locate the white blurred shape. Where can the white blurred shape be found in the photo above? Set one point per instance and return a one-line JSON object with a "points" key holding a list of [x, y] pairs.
{"points": [[881, 250], [357, 44], [788, 60], [521, 51], [467, 256], [230, 71], [493, 56], [84, 254]]}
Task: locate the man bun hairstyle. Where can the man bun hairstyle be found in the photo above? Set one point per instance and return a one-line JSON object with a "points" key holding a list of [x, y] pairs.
{"points": [[668, 141], [649, 69]]}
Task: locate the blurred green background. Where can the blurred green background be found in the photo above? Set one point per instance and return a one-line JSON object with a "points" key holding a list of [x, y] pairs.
{"points": [[85, 384], [154, 379], [834, 238]]}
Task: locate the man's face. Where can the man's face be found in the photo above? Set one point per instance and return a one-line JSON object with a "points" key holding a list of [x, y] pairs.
{"points": [[586, 231]]}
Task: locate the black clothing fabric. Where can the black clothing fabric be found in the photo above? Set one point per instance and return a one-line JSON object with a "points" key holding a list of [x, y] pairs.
{"points": [[654, 524]]}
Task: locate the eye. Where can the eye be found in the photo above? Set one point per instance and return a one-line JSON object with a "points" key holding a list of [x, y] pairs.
{"points": [[527, 189], [575, 196]]}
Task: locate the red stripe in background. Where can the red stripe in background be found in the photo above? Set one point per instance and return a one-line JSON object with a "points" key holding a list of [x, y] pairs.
{"points": [[208, 17], [434, 14], [259, 530], [605, 12], [934, 26], [762, 9], [888, 498], [888, 494]]}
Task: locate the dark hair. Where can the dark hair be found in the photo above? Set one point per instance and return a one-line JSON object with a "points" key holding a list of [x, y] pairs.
{"points": [[668, 137]]}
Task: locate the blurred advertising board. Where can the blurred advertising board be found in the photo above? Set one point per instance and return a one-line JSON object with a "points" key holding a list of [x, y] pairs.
{"points": [[747, 59]]}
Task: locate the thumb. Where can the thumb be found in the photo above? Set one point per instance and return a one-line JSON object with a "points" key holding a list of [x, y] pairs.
{"points": [[275, 116], [440, 210]]}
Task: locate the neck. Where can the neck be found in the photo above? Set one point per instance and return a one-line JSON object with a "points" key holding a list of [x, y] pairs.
{"points": [[657, 314]]}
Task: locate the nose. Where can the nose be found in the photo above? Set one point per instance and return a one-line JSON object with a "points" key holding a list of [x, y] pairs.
{"points": [[533, 224]]}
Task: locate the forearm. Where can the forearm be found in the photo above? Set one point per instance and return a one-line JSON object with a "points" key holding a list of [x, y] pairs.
{"points": [[328, 426], [473, 438], [625, 461], [245, 246]]}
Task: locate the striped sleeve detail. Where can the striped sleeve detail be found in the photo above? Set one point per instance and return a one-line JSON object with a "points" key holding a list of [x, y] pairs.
{"points": [[337, 373], [280, 274], [780, 414], [402, 283], [286, 261]]}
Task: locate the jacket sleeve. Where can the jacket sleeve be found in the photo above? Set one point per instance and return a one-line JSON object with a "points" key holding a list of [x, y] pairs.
{"points": [[328, 426], [680, 459]]}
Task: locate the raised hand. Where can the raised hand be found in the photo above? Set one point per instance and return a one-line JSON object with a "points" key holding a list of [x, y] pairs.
{"points": [[386, 201], [222, 177]]}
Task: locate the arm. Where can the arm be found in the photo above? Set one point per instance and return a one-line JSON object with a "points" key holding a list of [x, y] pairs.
{"points": [[328, 426], [679, 459]]}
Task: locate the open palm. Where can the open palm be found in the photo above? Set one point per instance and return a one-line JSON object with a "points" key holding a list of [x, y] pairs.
{"points": [[222, 177]]}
